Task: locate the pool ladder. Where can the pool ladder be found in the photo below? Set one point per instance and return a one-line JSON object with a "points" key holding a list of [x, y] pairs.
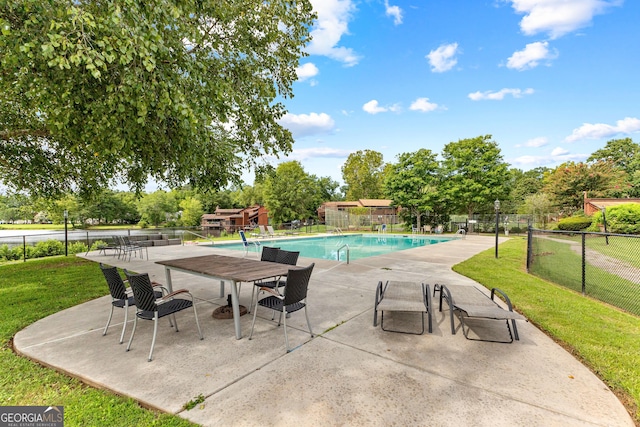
{"points": [[346, 245]]}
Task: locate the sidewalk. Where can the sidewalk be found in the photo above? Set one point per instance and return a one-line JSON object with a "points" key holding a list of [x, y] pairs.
{"points": [[351, 373]]}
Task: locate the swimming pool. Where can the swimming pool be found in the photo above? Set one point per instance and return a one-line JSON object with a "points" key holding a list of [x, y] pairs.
{"points": [[360, 245]]}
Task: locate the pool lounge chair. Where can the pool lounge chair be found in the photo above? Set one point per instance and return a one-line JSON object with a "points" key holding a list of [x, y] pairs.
{"points": [[403, 297], [471, 303], [246, 243]]}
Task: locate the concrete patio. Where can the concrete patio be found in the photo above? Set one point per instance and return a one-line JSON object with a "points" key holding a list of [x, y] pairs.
{"points": [[351, 373]]}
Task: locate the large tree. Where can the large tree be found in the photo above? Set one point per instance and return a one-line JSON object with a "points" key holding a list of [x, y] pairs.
{"points": [[523, 184], [95, 92], [290, 193], [412, 183], [567, 184], [474, 174], [363, 175]]}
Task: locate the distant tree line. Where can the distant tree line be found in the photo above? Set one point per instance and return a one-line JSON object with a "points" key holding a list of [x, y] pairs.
{"points": [[465, 178]]}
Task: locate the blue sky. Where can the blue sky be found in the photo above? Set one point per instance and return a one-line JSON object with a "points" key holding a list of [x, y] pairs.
{"points": [[551, 80]]}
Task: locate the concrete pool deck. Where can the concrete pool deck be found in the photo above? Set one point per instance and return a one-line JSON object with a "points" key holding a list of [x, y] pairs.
{"points": [[351, 373]]}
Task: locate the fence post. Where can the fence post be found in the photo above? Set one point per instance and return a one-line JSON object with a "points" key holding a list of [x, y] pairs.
{"points": [[24, 248], [584, 262], [529, 246]]}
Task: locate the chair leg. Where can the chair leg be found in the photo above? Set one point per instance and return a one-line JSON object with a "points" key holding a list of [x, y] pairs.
{"points": [[286, 338], [108, 321], [133, 332], [126, 319], [308, 323], [253, 293], [174, 321], [155, 331], [195, 313]]}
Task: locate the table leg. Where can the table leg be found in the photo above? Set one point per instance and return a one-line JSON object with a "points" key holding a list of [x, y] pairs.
{"points": [[236, 309], [167, 273], [222, 289]]}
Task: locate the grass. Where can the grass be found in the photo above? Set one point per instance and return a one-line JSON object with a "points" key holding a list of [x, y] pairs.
{"points": [[33, 290], [559, 263], [605, 339]]}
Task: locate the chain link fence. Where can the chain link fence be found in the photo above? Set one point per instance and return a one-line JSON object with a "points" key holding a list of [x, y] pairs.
{"points": [[604, 266]]}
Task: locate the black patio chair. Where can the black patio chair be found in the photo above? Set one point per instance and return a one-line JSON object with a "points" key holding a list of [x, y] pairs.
{"points": [[120, 296], [275, 255], [291, 300], [148, 307]]}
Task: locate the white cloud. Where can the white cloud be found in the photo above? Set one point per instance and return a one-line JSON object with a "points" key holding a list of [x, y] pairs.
{"points": [[559, 17], [540, 141], [318, 152], [625, 126], [443, 58], [559, 151], [373, 107], [331, 25], [306, 71], [301, 125], [393, 11], [423, 104], [531, 56], [550, 160], [499, 96]]}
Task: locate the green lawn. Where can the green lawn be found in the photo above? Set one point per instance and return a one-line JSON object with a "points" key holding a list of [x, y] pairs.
{"points": [[33, 290], [605, 339], [557, 262]]}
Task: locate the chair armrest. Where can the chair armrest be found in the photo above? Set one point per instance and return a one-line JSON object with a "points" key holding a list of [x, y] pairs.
{"points": [[170, 296], [273, 292]]}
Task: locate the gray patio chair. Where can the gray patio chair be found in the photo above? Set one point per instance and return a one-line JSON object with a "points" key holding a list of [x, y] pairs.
{"points": [[148, 307], [127, 246], [120, 296], [291, 300]]}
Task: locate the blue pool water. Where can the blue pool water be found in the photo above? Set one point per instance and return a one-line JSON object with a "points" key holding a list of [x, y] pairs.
{"points": [[360, 245]]}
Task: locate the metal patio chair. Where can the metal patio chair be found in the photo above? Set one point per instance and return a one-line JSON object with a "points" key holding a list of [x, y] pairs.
{"points": [[120, 296], [148, 307], [291, 300]]}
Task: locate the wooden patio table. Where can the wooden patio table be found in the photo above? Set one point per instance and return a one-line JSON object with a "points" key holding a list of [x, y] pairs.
{"points": [[227, 268]]}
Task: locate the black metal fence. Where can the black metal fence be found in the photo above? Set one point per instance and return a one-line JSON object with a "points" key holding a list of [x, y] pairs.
{"points": [[604, 266], [19, 245]]}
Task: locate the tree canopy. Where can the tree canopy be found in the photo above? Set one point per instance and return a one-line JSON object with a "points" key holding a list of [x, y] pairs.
{"points": [[474, 174], [363, 175], [290, 194], [567, 184], [412, 182], [98, 92]]}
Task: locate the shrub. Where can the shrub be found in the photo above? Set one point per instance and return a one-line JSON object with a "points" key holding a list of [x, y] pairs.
{"points": [[574, 223], [77, 247], [7, 254], [623, 219], [48, 248]]}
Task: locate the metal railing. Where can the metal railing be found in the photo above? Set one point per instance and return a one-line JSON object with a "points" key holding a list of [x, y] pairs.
{"points": [[346, 245], [605, 266], [195, 234]]}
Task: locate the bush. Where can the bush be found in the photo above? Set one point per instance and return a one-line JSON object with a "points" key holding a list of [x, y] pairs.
{"points": [[48, 248], [77, 248], [7, 254], [574, 223], [623, 219]]}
